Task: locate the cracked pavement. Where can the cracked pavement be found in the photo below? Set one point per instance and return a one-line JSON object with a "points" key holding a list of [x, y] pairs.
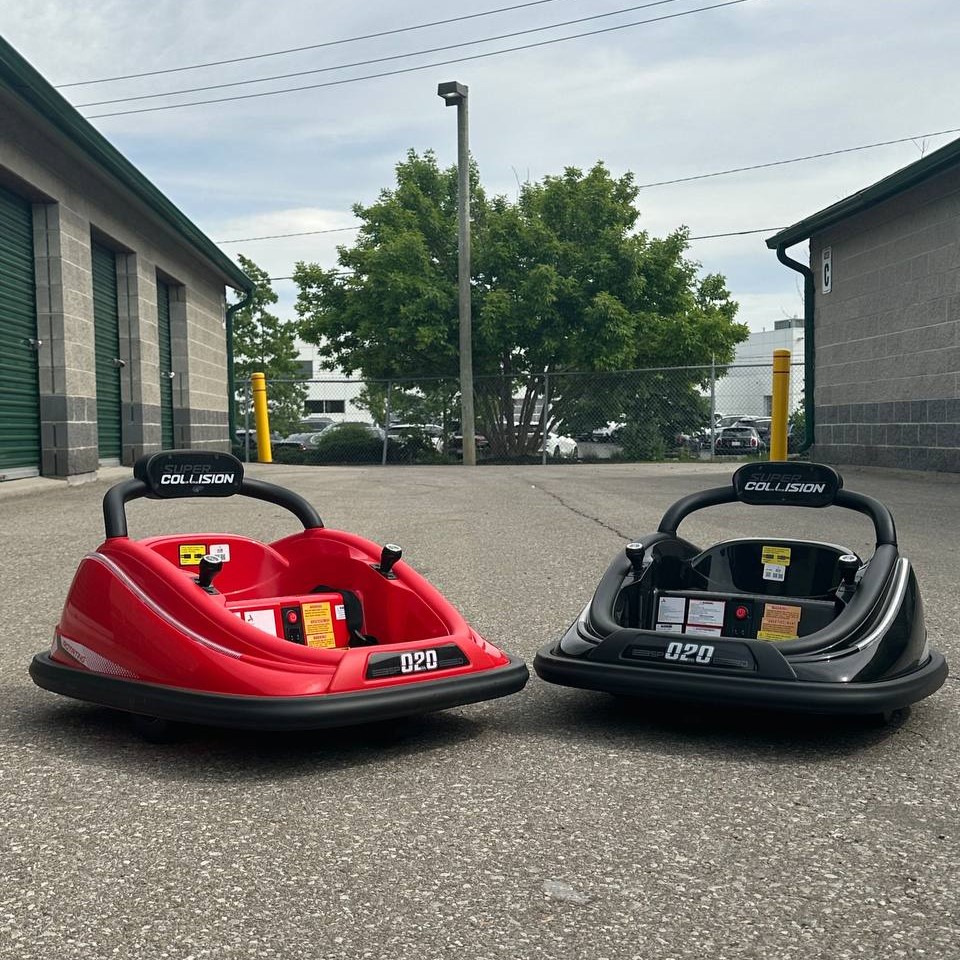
{"points": [[556, 823]]}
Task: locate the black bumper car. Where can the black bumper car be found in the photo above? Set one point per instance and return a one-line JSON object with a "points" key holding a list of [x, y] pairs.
{"points": [[766, 623]]}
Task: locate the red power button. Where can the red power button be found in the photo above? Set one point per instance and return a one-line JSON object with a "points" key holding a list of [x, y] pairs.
{"points": [[741, 613], [292, 616]]}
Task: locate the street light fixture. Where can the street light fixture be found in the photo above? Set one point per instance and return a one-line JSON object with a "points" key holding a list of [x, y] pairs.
{"points": [[455, 95]]}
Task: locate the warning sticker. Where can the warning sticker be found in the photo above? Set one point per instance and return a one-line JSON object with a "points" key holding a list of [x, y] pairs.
{"points": [[670, 627], [778, 555], [318, 624], [191, 554], [781, 621], [700, 630], [340, 611], [705, 613]]}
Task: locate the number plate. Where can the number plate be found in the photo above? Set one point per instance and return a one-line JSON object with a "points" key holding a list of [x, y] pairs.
{"points": [[412, 662], [724, 654]]}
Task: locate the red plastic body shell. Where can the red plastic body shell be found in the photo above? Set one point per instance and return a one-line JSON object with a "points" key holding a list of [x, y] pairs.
{"points": [[135, 612]]}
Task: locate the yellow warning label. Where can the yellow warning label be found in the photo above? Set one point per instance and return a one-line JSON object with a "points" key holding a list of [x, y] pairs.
{"points": [[781, 621], [318, 624], [780, 555], [773, 635], [191, 554]]}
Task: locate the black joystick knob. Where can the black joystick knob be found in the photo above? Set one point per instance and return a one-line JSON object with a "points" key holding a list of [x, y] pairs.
{"points": [[389, 555], [848, 565], [634, 552], [210, 566]]}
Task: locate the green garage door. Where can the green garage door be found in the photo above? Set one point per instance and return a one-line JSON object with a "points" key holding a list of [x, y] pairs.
{"points": [[166, 366], [106, 329], [19, 388]]}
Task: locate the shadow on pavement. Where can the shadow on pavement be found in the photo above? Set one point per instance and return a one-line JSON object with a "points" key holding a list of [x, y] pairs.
{"points": [[90, 734], [681, 728]]}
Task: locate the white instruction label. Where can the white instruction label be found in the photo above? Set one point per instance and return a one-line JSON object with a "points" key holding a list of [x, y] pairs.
{"points": [[340, 612], [706, 613], [699, 630], [670, 627], [774, 571], [263, 620], [221, 550], [672, 609]]}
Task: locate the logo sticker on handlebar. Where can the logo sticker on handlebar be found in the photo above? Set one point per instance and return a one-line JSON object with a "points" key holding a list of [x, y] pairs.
{"points": [[787, 484], [190, 473]]}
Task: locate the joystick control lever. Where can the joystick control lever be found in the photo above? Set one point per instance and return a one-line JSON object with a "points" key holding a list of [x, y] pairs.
{"points": [[210, 566], [389, 555], [848, 566], [634, 552]]}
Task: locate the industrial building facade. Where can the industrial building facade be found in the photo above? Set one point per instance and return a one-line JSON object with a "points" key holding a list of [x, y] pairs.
{"points": [[112, 304], [885, 316]]}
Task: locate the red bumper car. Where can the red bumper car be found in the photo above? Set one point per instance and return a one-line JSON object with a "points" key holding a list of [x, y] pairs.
{"points": [[321, 628]]}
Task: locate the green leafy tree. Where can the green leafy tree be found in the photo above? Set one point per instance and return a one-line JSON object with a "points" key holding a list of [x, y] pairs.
{"points": [[263, 343], [562, 281]]}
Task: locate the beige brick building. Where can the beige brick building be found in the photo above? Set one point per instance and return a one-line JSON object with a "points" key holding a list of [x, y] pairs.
{"points": [[113, 319]]}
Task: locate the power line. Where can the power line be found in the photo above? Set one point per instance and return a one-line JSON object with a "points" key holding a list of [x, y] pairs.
{"points": [[702, 176], [367, 63], [736, 233], [336, 273], [425, 66], [812, 156], [312, 46], [280, 236]]}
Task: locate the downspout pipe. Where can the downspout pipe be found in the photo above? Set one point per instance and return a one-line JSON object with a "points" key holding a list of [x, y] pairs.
{"points": [[244, 301], [809, 354]]}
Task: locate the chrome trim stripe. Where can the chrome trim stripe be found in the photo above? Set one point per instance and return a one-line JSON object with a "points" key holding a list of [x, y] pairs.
{"points": [[893, 605], [157, 609]]}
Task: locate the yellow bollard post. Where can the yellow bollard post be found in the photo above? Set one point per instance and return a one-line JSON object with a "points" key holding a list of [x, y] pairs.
{"points": [[259, 383], [780, 412]]}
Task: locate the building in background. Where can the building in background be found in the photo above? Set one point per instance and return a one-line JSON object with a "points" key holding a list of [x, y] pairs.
{"points": [[112, 303], [330, 394], [746, 388], [884, 307]]}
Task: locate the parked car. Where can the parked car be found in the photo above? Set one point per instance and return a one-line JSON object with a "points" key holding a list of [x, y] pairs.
{"points": [[315, 422], [738, 440], [561, 447], [298, 441], [241, 440], [455, 441], [352, 427], [429, 433], [602, 443]]}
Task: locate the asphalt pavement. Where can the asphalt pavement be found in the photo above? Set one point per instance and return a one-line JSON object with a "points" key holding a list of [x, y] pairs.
{"points": [[552, 824]]}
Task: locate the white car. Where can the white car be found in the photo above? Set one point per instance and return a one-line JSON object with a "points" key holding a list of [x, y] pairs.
{"points": [[561, 447]]}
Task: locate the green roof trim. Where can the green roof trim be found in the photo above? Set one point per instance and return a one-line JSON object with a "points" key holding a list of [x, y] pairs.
{"points": [[904, 178], [27, 84]]}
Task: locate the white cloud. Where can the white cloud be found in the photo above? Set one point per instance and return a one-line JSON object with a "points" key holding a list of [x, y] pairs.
{"points": [[760, 81]]}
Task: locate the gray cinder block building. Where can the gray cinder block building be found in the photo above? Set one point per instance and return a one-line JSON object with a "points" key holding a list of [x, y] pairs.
{"points": [[882, 319], [113, 319]]}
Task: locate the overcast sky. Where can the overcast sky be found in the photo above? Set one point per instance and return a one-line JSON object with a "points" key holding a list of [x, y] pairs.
{"points": [[748, 83]]}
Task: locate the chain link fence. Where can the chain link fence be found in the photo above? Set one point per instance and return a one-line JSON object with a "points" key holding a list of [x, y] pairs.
{"points": [[697, 412]]}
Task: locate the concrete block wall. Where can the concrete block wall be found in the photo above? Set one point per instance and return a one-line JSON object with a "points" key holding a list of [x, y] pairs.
{"points": [[72, 197], [887, 336], [68, 394]]}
